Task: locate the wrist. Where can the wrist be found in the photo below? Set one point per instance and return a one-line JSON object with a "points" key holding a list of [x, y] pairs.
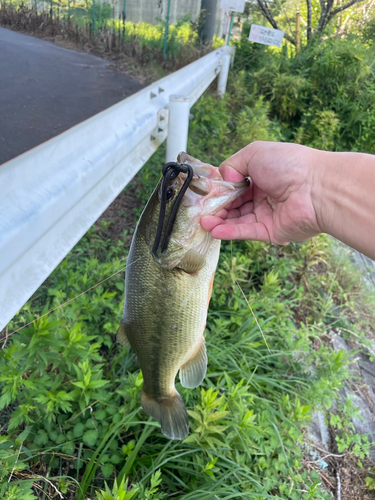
{"points": [[324, 187]]}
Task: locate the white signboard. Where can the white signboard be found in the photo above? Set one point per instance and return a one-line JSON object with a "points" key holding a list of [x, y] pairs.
{"points": [[266, 36], [235, 5]]}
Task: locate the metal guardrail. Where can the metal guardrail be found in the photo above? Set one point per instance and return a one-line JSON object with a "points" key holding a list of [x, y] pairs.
{"points": [[53, 194]]}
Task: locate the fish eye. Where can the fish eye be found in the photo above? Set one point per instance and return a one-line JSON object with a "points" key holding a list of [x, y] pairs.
{"points": [[169, 194]]}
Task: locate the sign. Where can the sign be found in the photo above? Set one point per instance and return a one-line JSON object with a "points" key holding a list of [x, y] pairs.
{"points": [[266, 36], [233, 5]]}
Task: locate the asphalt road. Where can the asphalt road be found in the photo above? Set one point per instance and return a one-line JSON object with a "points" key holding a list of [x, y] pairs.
{"points": [[46, 89]]}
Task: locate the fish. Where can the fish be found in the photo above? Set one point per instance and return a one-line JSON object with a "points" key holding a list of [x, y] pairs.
{"points": [[167, 292]]}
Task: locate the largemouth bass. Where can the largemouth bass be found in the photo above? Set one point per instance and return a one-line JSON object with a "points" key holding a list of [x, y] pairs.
{"points": [[167, 290]]}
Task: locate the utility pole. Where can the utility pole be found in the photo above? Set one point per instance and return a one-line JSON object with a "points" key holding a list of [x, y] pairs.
{"points": [[209, 8]]}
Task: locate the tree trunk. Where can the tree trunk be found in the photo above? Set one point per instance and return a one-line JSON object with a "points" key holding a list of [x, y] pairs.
{"points": [[309, 18]]}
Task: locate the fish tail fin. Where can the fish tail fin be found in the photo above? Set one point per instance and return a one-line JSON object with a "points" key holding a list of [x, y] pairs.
{"points": [[170, 412]]}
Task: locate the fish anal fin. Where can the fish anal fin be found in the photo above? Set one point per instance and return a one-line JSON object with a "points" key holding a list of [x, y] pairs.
{"points": [[121, 336], [170, 412], [192, 262], [194, 370]]}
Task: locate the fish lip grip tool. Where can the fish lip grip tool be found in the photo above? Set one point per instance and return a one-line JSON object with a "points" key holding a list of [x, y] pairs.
{"points": [[170, 171]]}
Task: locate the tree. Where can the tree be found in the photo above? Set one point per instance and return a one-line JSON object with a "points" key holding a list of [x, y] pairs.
{"points": [[328, 10]]}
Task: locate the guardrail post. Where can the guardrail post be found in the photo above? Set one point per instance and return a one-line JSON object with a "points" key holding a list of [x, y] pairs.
{"points": [[178, 126], [223, 76]]}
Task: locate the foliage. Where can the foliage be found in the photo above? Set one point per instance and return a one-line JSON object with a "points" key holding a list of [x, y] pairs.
{"points": [[74, 396], [322, 97], [327, 17], [94, 24]]}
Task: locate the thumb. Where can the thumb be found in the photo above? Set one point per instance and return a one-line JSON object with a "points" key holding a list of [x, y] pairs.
{"points": [[236, 167]]}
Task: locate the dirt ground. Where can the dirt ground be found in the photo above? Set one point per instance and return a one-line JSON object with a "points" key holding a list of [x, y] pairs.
{"points": [[121, 214]]}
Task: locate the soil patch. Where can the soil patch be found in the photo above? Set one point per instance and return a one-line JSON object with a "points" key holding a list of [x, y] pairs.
{"points": [[121, 214]]}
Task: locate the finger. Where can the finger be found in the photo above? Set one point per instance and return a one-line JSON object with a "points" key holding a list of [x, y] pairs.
{"points": [[247, 208], [210, 221], [256, 232], [240, 161], [230, 174], [246, 219], [222, 213], [247, 196]]}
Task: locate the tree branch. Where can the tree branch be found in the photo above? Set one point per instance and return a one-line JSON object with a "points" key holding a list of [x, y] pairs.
{"points": [[266, 12], [343, 7], [323, 7], [326, 13], [326, 7]]}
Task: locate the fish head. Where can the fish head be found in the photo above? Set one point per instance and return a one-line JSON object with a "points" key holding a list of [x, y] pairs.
{"points": [[207, 194]]}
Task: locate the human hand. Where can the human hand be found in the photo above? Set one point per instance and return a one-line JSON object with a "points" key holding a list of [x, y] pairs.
{"points": [[280, 204]]}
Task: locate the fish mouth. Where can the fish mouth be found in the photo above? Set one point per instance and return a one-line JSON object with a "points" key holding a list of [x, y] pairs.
{"points": [[206, 170], [205, 176], [203, 187], [207, 190]]}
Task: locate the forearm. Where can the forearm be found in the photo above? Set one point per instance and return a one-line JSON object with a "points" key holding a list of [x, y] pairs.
{"points": [[344, 198]]}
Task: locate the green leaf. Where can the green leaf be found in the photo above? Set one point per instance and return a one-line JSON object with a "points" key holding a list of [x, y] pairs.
{"points": [[78, 430], [41, 438], [69, 448], [107, 470], [24, 435], [90, 437], [95, 384]]}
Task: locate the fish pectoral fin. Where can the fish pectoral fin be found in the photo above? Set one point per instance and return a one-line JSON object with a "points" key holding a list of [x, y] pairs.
{"points": [[192, 262], [193, 372], [121, 336], [169, 411]]}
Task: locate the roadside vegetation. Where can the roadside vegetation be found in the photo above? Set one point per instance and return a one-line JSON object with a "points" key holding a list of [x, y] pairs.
{"points": [[135, 47], [71, 422]]}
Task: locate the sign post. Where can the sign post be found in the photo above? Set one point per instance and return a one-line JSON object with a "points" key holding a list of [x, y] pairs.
{"points": [[266, 36], [298, 31], [231, 6]]}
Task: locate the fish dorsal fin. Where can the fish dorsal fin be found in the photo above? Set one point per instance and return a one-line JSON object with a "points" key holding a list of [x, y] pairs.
{"points": [[192, 262], [121, 336], [193, 372]]}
